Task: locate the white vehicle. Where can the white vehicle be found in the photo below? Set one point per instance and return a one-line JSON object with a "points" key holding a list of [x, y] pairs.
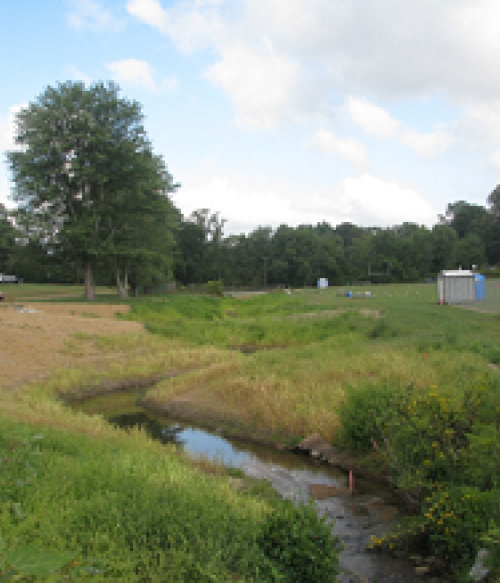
{"points": [[9, 278]]}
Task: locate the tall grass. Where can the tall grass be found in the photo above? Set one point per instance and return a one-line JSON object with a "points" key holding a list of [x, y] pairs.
{"points": [[319, 345], [145, 512], [128, 510]]}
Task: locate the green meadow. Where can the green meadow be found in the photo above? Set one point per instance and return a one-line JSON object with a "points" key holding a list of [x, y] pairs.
{"points": [[403, 383]]}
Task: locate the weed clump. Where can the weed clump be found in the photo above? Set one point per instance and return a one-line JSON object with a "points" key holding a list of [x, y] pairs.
{"points": [[442, 450], [299, 545]]}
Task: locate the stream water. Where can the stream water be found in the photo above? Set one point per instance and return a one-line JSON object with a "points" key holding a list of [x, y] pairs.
{"points": [[370, 510]]}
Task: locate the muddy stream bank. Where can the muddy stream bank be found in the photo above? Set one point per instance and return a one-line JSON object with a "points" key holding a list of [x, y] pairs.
{"points": [[371, 510]]}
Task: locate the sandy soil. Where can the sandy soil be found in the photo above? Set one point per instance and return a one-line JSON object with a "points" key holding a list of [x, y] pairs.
{"points": [[46, 337]]}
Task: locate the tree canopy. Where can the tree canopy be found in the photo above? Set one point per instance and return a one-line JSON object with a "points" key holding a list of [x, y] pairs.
{"points": [[85, 170]]}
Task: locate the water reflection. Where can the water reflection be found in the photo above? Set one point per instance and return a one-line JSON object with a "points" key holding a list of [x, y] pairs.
{"points": [[121, 410], [157, 430], [234, 453]]}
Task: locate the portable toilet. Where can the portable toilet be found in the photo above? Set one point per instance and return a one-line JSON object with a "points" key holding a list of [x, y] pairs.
{"points": [[456, 286], [480, 284]]}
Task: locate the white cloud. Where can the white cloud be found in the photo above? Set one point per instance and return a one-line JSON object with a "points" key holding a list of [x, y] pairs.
{"points": [[133, 72], [386, 49], [427, 145], [371, 118], [480, 123], [151, 12], [348, 149], [363, 200], [370, 200], [91, 14], [261, 84], [390, 48], [192, 25], [494, 161], [139, 73], [79, 75], [242, 206]]}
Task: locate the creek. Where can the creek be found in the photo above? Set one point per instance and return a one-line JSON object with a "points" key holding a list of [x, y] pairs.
{"points": [[370, 510]]}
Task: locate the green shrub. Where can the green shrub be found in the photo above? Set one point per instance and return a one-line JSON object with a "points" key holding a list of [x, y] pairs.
{"points": [[427, 435], [362, 414], [452, 525], [300, 545], [491, 540], [214, 288], [454, 519], [443, 449]]}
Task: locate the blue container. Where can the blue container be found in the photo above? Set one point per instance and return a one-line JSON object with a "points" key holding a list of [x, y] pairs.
{"points": [[480, 284]]}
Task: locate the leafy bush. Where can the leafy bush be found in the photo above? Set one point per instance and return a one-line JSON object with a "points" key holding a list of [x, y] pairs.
{"points": [[443, 449], [300, 545], [362, 413], [214, 288], [451, 525], [452, 519], [491, 540]]}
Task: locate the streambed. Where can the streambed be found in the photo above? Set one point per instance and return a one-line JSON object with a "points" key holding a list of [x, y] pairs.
{"points": [[370, 510]]}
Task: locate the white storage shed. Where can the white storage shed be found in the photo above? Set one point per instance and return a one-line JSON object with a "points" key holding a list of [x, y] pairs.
{"points": [[456, 286]]}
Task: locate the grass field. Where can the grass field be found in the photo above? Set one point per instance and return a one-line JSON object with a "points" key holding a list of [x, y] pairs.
{"points": [[395, 367], [17, 292]]}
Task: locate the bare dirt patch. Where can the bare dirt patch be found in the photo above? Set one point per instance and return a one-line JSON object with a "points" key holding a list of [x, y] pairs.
{"points": [[33, 344], [78, 309]]}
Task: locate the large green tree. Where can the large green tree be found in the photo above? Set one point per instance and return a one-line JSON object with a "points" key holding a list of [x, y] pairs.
{"points": [[84, 169]]}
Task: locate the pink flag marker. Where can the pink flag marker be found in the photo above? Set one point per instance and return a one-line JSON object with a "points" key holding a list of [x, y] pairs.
{"points": [[351, 482]]}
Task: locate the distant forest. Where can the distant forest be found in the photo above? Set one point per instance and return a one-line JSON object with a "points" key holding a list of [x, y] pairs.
{"points": [[467, 234]]}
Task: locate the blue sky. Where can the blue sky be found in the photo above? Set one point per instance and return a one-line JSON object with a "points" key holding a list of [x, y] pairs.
{"points": [[284, 111]]}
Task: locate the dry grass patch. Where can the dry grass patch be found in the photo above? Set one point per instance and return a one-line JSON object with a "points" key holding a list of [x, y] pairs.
{"points": [[299, 391], [79, 309], [34, 345]]}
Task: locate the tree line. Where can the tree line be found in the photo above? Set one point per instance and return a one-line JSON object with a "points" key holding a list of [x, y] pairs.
{"points": [[466, 235], [93, 206]]}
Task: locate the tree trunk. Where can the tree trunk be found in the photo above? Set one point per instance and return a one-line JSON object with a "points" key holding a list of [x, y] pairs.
{"points": [[89, 283], [122, 287]]}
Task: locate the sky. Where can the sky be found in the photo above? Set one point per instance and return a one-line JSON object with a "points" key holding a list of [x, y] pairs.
{"points": [[283, 111]]}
